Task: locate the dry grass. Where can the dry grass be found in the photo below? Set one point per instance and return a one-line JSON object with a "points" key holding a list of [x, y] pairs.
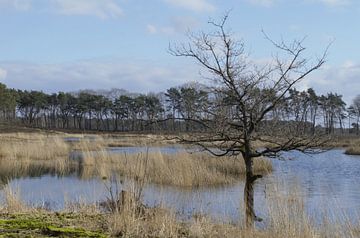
{"points": [[96, 142], [37, 153], [343, 141], [33, 154], [32, 147], [353, 150], [180, 169], [13, 203], [350, 143]]}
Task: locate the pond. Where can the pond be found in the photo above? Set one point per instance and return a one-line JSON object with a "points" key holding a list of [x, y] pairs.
{"points": [[328, 183]]}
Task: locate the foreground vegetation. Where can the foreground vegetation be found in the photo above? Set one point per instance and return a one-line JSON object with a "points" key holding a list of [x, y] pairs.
{"points": [[287, 218]]}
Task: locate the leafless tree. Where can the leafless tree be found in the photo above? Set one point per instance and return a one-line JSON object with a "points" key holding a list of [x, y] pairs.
{"points": [[246, 97]]}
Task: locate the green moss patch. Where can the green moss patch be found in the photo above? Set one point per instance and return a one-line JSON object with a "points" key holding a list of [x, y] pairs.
{"points": [[42, 226]]}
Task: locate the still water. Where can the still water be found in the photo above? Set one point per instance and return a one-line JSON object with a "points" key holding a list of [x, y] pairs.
{"points": [[327, 183]]}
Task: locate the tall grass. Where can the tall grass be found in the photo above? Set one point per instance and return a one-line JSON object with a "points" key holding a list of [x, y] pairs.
{"points": [[32, 147], [35, 153], [179, 169], [12, 200]]}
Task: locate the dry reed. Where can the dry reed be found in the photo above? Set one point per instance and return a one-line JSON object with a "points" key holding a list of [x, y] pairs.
{"points": [[32, 147], [179, 169]]}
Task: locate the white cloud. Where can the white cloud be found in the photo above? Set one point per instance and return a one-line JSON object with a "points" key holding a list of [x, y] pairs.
{"points": [[179, 24], [166, 30], [140, 76], [18, 5], [184, 23], [151, 29], [103, 9], [329, 3], [335, 3], [3, 74], [342, 79], [264, 3], [194, 5]]}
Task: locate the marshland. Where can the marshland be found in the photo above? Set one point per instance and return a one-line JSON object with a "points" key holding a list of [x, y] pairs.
{"points": [[169, 119], [59, 183]]}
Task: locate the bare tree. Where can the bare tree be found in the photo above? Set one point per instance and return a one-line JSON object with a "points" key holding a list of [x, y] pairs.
{"points": [[246, 97], [354, 110]]}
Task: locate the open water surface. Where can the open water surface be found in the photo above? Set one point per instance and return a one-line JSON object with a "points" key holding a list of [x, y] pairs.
{"points": [[328, 184]]}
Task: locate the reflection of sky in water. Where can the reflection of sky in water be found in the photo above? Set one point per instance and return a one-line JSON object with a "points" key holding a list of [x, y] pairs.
{"points": [[328, 183]]}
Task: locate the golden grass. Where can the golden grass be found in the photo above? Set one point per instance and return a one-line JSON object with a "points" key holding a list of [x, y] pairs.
{"points": [[96, 142], [179, 169], [13, 203], [36, 153], [353, 150], [343, 141], [32, 147]]}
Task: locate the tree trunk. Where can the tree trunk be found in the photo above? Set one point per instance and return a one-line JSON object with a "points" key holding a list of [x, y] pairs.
{"points": [[249, 195], [250, 216]]}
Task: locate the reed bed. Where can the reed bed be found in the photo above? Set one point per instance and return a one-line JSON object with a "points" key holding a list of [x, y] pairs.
{"points": [[179, 169], [36, 153], [353, 150], [32, 147]]}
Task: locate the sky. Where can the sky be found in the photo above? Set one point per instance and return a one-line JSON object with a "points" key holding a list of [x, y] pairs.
{"points": [[68, 45]]}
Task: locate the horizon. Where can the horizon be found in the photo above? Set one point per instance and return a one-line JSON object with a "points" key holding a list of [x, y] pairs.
{"points": [[63, 45]]}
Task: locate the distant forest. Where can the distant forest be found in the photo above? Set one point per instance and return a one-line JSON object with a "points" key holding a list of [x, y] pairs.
{"points": [[179, 109]]}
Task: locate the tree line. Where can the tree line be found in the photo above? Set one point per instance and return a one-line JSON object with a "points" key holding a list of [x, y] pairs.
{"points": [[173, 110]]}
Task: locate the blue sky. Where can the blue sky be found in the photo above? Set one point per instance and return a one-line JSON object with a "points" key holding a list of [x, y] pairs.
{"points": [[67, 45]]}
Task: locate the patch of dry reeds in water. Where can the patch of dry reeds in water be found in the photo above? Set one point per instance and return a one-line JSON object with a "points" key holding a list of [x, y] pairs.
{"points": [[32, 146], [179, 169], [35, 152], [31, 153]]}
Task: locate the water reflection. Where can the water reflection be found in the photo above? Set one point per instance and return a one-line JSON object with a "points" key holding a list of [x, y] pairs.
{"points": [[328, 183]]}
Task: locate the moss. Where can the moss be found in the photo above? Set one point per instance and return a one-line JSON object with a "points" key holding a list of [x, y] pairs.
{"points": [[71, 232], [41, 226], [21, 224]]}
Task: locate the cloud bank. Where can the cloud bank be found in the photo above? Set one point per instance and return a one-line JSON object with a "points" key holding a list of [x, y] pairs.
{"points": [[141, 77], [193, 5], [146, 76]]}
